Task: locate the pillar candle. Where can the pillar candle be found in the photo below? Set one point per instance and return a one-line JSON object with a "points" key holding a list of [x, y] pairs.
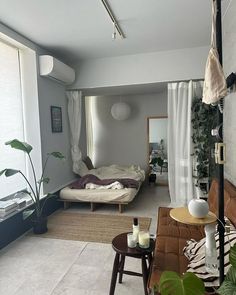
{"points": [[144, 239]]}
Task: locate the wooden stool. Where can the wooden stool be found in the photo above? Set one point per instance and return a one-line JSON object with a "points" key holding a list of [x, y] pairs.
{"points": [[119, 244]]}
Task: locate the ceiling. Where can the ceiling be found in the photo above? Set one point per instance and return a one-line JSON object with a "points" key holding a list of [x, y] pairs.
{"points": [[81, 29]]}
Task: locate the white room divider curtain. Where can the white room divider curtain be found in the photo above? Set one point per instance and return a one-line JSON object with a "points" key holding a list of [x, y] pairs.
{"points": [[74, 113], [89, 103], [180, 96]]}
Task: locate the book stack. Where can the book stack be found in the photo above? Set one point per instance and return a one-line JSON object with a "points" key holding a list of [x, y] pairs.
{"points": [[7, 207], [21, 202], [27, 200]]}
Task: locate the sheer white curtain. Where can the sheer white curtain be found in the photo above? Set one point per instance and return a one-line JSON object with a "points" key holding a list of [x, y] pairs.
{"points": [[74, 112], [180, 96], [89, 103]]}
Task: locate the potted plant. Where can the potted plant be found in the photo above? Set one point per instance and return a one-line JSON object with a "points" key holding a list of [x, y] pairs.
{"points": [[172, 283], [159, 161], [34, 189], [203, 121], [229, 284]]}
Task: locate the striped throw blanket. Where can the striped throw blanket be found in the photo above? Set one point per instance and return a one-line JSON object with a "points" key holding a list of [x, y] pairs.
{"points": [[195, 252]]}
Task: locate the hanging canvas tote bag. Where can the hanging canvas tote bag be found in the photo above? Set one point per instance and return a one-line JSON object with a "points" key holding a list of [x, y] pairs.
{"points": [[214, 87]]}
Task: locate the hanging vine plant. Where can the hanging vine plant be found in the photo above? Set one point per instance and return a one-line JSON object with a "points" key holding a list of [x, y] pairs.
{"points": [[203, 121]]}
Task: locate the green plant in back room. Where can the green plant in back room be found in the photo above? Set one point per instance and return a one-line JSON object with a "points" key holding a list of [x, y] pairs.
{"points": [[159, 161], [204, 119], [34, 189]]}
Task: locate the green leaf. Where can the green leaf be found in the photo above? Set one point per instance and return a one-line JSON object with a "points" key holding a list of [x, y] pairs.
{"points": [[232, 256], [27, 213], [20, 145], [2, 171], [172, 284], [9, 172], [231, 275], [57, 155], [160, 161], [190, 280], [227, 288]]}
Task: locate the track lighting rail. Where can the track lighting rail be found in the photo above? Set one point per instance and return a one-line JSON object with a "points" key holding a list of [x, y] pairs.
{"points": [[113, 19]]}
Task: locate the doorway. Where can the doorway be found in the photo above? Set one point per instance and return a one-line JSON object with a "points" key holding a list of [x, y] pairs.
{"points": [[157, 149]]}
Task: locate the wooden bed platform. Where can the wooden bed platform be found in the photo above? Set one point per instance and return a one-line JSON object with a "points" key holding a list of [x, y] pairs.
{"points": [[67, 204]]}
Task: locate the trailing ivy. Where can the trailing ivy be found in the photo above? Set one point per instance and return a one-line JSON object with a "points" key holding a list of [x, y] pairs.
{"points": [[204, 119]]}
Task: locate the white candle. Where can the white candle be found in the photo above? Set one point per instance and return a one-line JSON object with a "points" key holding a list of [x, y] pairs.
{"points": [[144, 239], [131, 241]]}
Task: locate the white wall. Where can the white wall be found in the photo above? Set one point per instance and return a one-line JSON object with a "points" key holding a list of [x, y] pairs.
{"points": [[158, 129], [50, 93], [229, 50], [146, 68], [125, 142]]}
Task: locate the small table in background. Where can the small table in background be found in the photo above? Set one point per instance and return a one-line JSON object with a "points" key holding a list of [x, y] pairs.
{"points": [[119, 244]]}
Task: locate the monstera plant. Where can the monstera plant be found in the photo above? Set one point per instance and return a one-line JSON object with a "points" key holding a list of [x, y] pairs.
{"points": [[34, 189], [228, 287], [172, 283]]}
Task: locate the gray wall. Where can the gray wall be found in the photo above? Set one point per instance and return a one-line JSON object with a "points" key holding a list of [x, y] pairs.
{"points": [[51, 93], [125, 142], [229, 49]]}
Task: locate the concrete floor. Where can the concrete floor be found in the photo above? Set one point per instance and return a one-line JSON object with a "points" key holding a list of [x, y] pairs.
{"points": [[39, 266]]}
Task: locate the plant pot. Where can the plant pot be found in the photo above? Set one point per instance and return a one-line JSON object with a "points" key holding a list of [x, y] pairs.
{"points": [[40, 225]]}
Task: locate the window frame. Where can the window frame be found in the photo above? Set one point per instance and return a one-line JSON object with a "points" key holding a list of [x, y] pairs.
{"points": [[30, 105]]}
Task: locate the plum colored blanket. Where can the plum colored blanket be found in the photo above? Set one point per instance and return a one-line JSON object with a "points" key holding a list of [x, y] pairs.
{"points": [[90, 178]]}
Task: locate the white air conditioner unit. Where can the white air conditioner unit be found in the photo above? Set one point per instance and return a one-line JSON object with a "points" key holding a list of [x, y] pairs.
{"points": [[53, 68]]}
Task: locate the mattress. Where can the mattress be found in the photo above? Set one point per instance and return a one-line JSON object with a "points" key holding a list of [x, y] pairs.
{"points": [[124, 195]]}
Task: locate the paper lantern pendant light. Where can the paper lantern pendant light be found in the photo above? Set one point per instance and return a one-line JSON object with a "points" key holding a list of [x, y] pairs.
{"points": [[120, 111]]}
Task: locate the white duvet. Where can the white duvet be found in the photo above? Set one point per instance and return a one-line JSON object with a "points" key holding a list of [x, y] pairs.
{"points": [[104, 195], [117, 171]]}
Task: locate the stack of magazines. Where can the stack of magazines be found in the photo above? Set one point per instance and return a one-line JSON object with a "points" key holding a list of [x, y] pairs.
{"points": [[7, 207]]}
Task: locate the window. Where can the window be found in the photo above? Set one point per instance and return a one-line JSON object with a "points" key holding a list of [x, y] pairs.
{"points": [[19, 113]]}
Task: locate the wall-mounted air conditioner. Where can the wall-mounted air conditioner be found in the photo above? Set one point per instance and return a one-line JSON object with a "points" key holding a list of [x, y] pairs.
{"points": [[53, 68]]}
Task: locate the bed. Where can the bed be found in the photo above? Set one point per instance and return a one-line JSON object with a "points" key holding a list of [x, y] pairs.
{"points": [[114, 184]]}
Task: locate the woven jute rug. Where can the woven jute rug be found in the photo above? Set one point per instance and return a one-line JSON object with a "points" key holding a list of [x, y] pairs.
{"points": [[90, 227]]}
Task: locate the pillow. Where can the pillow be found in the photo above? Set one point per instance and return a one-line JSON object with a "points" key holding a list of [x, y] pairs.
{"points": [[195, 252], [87, 161]]}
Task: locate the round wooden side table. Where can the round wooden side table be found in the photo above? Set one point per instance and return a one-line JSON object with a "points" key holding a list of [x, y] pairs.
{"points": [[119, 244], [182, 215]]}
